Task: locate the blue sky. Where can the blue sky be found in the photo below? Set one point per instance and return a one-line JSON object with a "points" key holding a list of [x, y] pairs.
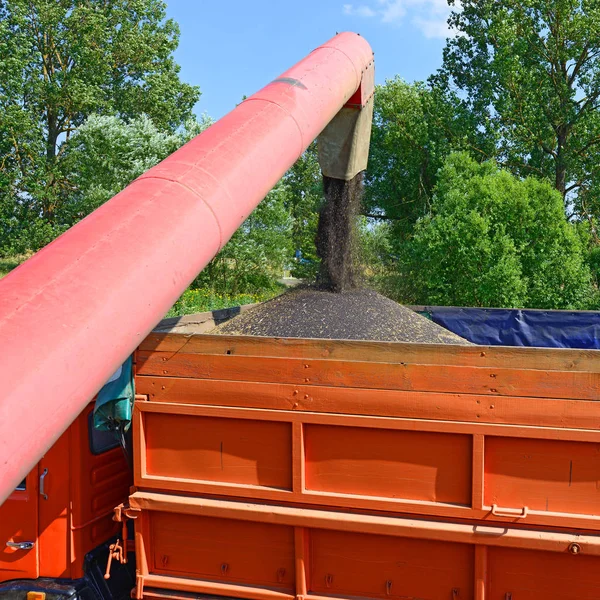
{"points": [[234, 47]]}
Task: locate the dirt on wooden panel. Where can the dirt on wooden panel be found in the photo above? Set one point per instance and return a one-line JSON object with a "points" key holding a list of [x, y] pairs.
{"points": [[358, 314]]}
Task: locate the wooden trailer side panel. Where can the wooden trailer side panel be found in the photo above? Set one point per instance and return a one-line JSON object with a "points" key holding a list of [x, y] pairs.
{"points": [[262, 552], [387, 463], [317, 469], [457, 470], [229, 451]]}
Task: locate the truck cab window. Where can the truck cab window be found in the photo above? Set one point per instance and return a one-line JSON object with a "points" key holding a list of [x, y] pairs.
{"points": [[101, 441]]}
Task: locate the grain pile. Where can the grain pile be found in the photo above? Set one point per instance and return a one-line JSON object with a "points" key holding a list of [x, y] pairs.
{"points": [[357, 314], [336, 308]]}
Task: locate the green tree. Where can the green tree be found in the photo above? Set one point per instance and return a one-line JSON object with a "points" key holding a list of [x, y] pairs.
{"points": [[496, 240], [63, 60], [107, 152], [304, 185], [254, 258], [415, 127], [530, 71]]}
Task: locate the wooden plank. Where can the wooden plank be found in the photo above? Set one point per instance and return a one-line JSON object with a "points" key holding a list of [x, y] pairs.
{"points": [[212, 588], [522, 574], [478, 471], [301, 554], [467, 428], [544, 475], [363, 523], [492, 381], [388, 352], [357, 500], [415, 465], [248, 452], [387, 403], [355, 565], [481, 576], [298, 461]]}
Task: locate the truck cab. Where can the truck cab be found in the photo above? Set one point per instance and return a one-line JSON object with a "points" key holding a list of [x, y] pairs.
{"points": [[62, 511]]}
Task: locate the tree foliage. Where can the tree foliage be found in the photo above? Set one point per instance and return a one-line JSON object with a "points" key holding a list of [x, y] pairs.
{"points": [[107, 152], [60, 62], [254, 258], [415, 127], [530, 71], [495, 240], [304, 197]]}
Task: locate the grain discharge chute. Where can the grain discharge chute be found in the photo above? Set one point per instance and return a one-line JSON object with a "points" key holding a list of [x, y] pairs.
{"points": [[80, 306]]}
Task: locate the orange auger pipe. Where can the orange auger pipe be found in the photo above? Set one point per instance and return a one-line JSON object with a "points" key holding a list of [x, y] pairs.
{"points": [[71, 314]]}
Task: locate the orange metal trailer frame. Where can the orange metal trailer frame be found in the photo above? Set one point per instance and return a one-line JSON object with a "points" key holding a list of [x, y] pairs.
{"points": [[272, 468]]}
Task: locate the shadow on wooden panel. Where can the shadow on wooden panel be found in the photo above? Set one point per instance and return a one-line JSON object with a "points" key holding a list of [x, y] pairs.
{"points": [[390, 464], [220, 450]]}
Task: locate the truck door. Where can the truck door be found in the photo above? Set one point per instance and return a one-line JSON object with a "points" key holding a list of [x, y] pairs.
{"points": [[19, 529]]}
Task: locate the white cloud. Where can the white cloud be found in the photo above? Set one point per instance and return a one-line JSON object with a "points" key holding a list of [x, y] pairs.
{"points": [[392, 11], [429, 16], [359, 11], [434, 28]]}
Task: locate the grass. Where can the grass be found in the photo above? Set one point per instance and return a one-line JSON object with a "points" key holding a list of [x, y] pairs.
{"points": [[191, 301], [202, 300], [8, 263]]}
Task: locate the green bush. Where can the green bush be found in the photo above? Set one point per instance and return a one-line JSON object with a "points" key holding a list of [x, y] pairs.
{"points": [[495, 240]]}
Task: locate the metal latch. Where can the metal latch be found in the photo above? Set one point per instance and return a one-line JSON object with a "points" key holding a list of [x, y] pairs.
{"points": [[118, 551]]}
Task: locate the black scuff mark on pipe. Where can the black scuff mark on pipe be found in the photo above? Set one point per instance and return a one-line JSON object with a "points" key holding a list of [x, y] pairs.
{"points": [[291, 81]]}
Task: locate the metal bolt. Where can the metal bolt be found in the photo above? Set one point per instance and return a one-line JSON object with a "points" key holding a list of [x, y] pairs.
{"points": [[575, 548], [224, 568]]}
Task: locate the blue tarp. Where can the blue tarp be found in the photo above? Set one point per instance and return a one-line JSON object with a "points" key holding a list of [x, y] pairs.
{"points": [[516, 327]]}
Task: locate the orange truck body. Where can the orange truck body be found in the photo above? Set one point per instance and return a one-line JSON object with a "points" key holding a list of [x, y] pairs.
{"points": [[310, 469], [65, 506], [282, 469]]}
